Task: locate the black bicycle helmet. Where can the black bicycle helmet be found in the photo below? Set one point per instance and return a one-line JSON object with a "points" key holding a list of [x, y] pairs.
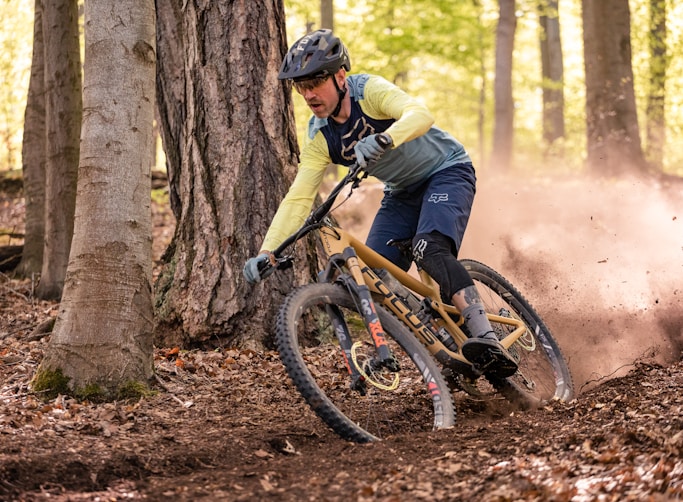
{"points": [[317, 54]]}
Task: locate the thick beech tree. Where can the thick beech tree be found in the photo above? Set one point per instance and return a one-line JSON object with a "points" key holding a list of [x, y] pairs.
{"points": [[102, 338], [228, 131]]}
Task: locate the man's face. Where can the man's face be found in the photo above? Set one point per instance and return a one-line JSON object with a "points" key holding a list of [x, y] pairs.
{"points": [[320, 95]]}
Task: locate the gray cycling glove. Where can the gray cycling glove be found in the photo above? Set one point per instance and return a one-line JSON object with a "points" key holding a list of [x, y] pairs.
{"points": [[371, 148], [251, 268]]}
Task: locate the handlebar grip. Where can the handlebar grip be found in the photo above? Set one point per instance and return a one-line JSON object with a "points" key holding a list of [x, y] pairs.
{"points": [[384, 140], [264, 265], [265, 269]]}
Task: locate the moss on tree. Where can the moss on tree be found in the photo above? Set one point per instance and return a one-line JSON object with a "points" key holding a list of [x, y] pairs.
{"points": [[52, 383]]}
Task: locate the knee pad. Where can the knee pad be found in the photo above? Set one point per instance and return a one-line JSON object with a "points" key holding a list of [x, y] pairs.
{"points": [[433, 252]]}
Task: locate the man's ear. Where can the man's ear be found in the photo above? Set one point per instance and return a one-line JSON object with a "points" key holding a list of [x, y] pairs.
{"points": [[341, 77]]}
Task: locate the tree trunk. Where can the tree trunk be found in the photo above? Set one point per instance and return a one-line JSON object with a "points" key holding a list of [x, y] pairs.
{"points": [[103, 334], [63, 109], [501, 155], [228, 130], [656, 119], [481, 50], [327, 14], [33, 155], [553, 72], [613, 138]]}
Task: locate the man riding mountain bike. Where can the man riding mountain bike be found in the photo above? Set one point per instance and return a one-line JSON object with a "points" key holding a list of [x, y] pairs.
{"points": [[428, 175]]}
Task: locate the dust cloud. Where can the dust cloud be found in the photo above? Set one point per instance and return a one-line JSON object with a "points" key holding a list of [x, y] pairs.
{"points": [[601, 260]]}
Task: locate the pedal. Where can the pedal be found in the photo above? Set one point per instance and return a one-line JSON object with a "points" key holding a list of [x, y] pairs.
{"points": [[466, 370], [489, 357]]}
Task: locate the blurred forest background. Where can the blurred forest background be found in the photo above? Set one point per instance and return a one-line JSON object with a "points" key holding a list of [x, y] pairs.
{"points": [[444, 52], [597, 251]]}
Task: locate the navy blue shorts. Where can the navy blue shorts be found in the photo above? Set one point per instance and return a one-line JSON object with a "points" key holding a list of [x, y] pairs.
{"points": [[442, 203]]}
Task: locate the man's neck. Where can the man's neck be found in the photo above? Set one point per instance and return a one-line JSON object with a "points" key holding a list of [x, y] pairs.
{"points": [[344, 112]]}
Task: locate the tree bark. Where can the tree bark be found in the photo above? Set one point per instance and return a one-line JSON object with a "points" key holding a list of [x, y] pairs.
{"points": [[63, 109], [656, 98], [501, 155], [228, 131], [613, 138], [552, 66], [33, 155], [327, 14], [103, 334]]}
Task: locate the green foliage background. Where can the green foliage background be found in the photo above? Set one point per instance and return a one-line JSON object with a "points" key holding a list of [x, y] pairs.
{"points": [[16, 40], [443, 51], [439, 50]]}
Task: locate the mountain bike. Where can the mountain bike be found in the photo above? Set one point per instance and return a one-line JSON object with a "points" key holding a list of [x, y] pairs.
{"points": [[374, 350]]}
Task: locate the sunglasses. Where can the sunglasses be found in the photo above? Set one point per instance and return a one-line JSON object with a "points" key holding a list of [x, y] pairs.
{"points": [[310, 84]]}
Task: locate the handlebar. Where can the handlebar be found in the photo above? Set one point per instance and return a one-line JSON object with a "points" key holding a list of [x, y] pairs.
{"points": [[355, 175]]}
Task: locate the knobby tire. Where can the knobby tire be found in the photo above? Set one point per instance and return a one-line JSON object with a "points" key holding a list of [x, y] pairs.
{"points": [[312, 356], [543, 374]]}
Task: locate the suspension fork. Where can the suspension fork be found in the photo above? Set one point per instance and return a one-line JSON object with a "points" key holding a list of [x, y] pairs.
{"points": [[355, 282], [341, 331]]}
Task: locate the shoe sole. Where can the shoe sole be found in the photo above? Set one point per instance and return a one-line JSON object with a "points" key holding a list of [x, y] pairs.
{"points": [[488, 357]]}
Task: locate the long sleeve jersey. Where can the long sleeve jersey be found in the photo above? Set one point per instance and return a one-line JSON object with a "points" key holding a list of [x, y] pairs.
{"points": [[419, 148]]}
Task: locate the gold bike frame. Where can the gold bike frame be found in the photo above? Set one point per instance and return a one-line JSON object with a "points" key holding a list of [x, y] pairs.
{"points": [[335, 241]]}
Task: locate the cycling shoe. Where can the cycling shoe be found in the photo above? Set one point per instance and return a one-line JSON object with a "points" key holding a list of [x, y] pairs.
{"points": [[489, 357]]}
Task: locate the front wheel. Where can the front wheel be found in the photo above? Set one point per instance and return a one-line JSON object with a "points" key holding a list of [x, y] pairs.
{"points": [[414, 398], [543, 373]]}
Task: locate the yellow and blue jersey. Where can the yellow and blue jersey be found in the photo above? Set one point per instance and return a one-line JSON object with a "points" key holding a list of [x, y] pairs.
{"points": [[419, 148]]}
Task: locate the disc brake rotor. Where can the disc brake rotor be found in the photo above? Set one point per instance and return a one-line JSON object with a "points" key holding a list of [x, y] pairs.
{"points": [[378, 377]]}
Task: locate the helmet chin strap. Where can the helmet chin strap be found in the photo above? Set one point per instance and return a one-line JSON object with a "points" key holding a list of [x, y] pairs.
{"points": [[340, 93]]}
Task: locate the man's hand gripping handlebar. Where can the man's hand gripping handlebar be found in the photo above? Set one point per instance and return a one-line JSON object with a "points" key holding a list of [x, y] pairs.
{"points": [[259, 267]]}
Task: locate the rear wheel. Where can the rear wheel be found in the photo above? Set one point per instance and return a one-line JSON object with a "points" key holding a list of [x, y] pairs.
{"points": [[413, 399], [543, 373]]}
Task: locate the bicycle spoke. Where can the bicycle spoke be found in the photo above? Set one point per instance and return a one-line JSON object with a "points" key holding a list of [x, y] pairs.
{"points": [[542, 373], [413, 399]]}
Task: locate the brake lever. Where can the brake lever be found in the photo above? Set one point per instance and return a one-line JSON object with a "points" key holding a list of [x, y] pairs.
{"points": [[284, 263], [266, 268]]}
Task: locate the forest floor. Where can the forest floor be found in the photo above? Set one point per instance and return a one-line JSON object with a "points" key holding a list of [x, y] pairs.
{"points": [[228, 425]]}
